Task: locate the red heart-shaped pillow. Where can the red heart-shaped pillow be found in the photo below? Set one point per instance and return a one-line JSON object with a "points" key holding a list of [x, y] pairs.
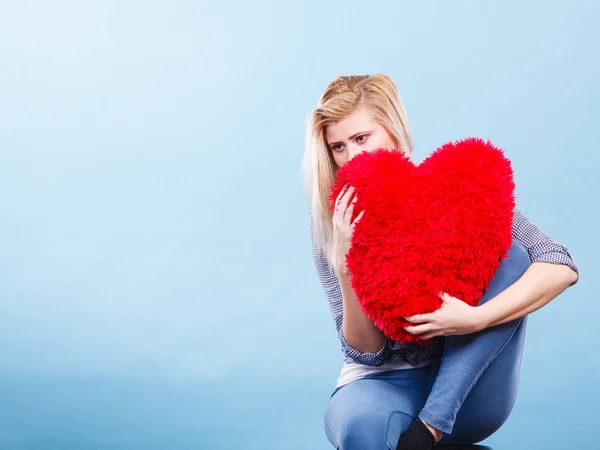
{"points": [[441, 226]]}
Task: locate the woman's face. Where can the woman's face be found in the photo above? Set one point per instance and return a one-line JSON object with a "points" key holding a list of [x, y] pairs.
{"points": [[356, 134]]}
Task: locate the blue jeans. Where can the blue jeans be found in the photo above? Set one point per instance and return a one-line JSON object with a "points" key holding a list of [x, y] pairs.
{"points": [[468, 393]]}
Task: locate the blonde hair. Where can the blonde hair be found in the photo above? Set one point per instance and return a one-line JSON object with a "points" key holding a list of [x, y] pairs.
{"points": [[341, 98]]}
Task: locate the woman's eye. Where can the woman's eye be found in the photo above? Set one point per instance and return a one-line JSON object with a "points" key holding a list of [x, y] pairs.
{"points": [[336, 147], [362, 138]]}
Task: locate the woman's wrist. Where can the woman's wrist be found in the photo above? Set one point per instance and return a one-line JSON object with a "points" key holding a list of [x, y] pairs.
{"points": [[481, 318], [341, 268]]}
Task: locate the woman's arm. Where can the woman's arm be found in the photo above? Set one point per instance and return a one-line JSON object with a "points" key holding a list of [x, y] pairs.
{"points": [[360, 332], [552, 271], [339, 293], [541, 283]]}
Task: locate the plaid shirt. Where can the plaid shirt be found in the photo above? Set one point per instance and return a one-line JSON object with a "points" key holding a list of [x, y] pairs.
{"points": [[541, 248]]}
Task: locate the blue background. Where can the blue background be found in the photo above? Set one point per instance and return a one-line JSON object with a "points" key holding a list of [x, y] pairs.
{"points": [[156, 284]]}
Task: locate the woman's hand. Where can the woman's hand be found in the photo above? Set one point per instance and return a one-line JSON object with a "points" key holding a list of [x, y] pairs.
{"points": [[452, 318], [343, 227]]}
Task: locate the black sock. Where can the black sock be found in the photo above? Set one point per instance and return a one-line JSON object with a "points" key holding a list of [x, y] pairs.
{"points": [[417, 437]]}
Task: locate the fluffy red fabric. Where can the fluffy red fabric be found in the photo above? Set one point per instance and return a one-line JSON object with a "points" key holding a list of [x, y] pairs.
{"points": [[443, 225]]}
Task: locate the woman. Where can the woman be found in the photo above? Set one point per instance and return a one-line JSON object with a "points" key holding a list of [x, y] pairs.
{"points": [[460, 388]]}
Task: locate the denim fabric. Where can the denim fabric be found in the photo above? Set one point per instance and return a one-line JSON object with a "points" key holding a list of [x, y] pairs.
{"points": [[468, 392]]}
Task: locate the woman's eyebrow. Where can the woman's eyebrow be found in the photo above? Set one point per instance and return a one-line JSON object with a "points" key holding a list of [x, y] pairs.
{"points": [[351, 137]]}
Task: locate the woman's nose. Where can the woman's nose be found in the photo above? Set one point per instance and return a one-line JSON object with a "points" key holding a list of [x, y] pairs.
{"points": [[353, 151]]}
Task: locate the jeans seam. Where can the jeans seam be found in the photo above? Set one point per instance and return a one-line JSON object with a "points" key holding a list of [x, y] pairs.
{"points": [[433, 418], [387, 427], [439, 370]]}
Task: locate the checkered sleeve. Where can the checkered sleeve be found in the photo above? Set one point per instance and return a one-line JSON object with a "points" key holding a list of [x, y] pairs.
{"points": [[541, 247], [331, 287]]}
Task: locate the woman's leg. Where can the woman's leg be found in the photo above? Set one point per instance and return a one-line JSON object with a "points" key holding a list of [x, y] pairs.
{"points": [[371, 413], [490, 402], [467, 375]]}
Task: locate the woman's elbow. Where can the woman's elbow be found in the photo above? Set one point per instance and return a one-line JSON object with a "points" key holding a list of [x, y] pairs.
{"points": [[571, 276], [557, 277], [565, 275]]}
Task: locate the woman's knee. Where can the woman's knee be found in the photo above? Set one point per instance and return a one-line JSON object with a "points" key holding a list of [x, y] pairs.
{"points": [[368, 430], [476, 431], [358, 429], [472, 428]]}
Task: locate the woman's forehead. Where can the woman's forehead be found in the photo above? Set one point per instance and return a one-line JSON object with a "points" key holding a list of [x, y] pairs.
{"points": [[347, 127]]}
